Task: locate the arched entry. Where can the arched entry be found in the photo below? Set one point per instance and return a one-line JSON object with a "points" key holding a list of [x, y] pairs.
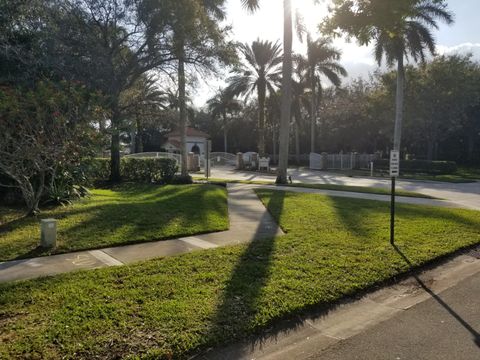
{"points": [[196, 149]]}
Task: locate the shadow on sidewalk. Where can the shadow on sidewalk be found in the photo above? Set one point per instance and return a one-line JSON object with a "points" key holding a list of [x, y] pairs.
{"points": [[241, 302], [439, 300]]}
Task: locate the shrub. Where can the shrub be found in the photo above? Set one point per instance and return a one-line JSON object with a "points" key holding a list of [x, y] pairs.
{"points": [[63, 193], [9, 195], [420, 166], [147, 170], [182, 180], [97, 169]]}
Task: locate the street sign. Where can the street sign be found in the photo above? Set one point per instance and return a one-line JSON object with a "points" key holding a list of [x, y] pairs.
{"points": [[394, 163]]}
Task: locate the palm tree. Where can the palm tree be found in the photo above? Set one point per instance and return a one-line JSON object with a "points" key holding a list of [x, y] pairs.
{"points": [[142, 103], [253, 5], [322, 60], [286, 94], [196, 39], [222, 104], [260, 73], [411, 37], [399, 29], [300, 100]]}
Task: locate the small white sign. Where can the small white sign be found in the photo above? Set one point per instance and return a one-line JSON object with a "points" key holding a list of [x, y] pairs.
{"points": [[394, 163], [264, 163]]}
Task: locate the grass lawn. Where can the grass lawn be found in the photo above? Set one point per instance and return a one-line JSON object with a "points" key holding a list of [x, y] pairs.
{"points": [[121, 215], [362, 189], [335, 187], [167, 308]]}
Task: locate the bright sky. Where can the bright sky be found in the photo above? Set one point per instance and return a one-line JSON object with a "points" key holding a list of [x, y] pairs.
{"points": [[267, 24]]}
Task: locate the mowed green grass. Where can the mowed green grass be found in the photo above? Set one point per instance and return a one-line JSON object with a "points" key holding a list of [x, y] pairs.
{"points": [[121, 215], [362, 189], [334, 187], [173, 307]]}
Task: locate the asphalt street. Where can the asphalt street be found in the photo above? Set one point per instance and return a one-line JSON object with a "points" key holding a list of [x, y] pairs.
{"points": [[446, 326]]}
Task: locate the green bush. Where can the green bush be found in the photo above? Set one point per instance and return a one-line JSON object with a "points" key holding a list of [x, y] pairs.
{"points": [[182, 180], [149, 170], [97, 169], [420, 166], [9, 195]]}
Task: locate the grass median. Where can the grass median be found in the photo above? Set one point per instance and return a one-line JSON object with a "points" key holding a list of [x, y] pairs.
{"points": [[334, 187], [124, 214], [173, 307]]}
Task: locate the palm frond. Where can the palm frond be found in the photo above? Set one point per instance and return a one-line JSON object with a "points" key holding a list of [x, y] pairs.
{"points": [[251, 5]]}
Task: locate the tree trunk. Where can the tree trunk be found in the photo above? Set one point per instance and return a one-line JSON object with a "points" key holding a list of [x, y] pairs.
{"points": [[182, 108], [139, 138], [274, 144], [435, 151], [297, 143], [298, 117], [286, 94], [262, 90], [429, 150], [225, 132], [313, 107], [32, 195], [471, 147], [397, 136], [115, 175]]}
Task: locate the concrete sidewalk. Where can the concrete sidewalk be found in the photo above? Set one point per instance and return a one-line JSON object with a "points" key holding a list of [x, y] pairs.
{"points": [[249, 220]]}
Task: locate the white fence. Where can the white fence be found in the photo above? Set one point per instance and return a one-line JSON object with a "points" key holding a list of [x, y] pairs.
{"points": [[340, 161], [222, 159], [164, 155]]}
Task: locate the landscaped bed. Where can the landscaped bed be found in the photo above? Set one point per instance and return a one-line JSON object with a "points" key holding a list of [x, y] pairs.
{"points": [[124, 214], [169, 307]]}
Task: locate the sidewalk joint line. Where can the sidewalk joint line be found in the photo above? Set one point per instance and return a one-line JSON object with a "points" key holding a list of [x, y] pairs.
{"points": [[198, 242], [105, 258]]}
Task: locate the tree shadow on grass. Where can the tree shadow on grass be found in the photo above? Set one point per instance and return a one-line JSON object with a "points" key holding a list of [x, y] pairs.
{"points": [[241, 300], [439, 300], [161, 215], [356, 213]]}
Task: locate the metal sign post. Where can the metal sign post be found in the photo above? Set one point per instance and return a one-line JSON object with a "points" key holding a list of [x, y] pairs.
{"points": [[394, 172]]}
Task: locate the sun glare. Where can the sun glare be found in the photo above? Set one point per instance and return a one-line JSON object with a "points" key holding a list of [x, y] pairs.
{"points": [[312, 12]]}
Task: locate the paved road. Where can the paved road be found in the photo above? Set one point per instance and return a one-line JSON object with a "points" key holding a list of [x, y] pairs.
{"points": [[464, 195], [446, 326]]}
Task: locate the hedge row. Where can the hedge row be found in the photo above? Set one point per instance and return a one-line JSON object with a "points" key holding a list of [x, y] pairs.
{"points": [[150, 170], [420, 166]]}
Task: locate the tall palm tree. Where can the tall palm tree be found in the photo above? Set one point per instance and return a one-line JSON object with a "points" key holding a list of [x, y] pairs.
{"points": [[300, 100], [222, 104], [322, 60], [259, 73], [196, 37], [409, 36], [142, 103], [286, 93], [399, 30], [253, 5]]}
